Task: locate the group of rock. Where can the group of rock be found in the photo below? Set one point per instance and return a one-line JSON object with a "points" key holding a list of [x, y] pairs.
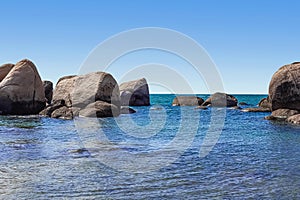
{"points": [[97, 94], [283, 100]]}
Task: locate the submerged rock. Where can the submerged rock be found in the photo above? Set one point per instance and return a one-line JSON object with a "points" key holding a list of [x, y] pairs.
{"points": [[135, 93], [243, 104], [127, 110], [221, 100], [187, 101], [256, 109], [295, 119], [21, 89], [202, 107]]}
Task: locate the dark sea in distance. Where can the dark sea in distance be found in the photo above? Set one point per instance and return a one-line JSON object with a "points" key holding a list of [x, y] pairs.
{"points": [[43, 158]]}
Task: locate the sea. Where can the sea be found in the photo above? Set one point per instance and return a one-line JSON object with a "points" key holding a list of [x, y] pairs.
{"points": [[159, 152]]}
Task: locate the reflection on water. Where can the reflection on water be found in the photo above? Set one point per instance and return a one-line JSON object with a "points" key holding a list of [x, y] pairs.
{"points": [[252, 159]]}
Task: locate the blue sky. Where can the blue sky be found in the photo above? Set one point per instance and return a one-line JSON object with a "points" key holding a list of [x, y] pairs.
{"points": [[247, 40]]}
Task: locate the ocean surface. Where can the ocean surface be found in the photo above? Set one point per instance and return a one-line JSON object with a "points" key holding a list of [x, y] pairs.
{"points": [[152, 154]]}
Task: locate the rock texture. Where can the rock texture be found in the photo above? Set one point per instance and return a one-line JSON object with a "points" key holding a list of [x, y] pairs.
{"points": [[221, 100], [284, 94], [4, 70], [91, 95], [63, 89], [265, 103], [100, 109], [295, 119], [21, 89], [187, 101], [48, 87], [284, 88], [135, 93]]}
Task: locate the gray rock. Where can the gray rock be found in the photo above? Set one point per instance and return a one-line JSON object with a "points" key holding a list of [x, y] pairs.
{"points": [[52, 107], [4, 70], [135, 93], [127, 110], [243, 104], [91, 95], [265, 103], [201, 107], [221, 100], [96, 86], [63, 89], [62, 113], [283, 113], [48, 87], [284, 88], [100, 109], [21, 90], [187, 101], [295, 119], [256, 109]]}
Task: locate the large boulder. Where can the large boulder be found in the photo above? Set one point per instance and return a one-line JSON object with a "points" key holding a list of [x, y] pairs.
{"points": [[21, 90], [48, 87], [4, 70], [284, 88], [92, 95], [135, 93], [221, 100], [63, 89], [97, 86], [187, 101]]}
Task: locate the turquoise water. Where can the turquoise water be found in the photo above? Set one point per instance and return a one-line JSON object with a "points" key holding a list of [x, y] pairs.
{"points": [[42, 158]]}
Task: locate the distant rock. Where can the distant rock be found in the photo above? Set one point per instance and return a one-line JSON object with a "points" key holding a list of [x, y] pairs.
{"points": [[221, 100], [21, 89], [284, 88], [135, 93], [201, 107], [127, 110], [91, 95], [243, 104], [187, 101], [256, 109], [265, 103], [48, 87]]}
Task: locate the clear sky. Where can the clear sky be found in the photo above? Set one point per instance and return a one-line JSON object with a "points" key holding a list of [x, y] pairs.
{"points": [[247, 40]]}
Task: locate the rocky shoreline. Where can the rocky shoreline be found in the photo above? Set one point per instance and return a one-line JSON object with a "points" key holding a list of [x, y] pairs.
{"points": [[97, 94]]}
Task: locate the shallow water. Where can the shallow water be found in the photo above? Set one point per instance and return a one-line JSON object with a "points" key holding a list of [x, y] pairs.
{"points": [[134, 157]]}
